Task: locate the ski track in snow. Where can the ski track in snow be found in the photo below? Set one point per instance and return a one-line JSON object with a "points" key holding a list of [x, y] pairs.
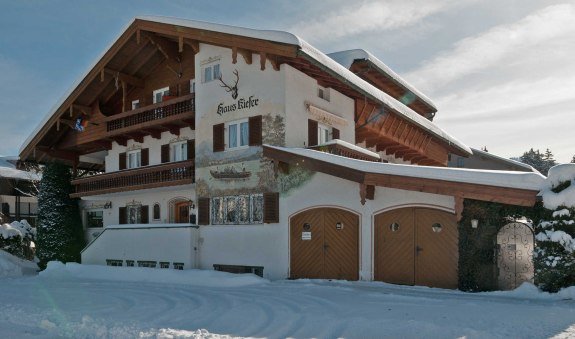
{"points": [[82, 308]]}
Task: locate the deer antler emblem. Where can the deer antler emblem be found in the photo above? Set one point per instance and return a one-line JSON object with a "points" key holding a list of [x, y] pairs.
{"points": [[234, 88]]}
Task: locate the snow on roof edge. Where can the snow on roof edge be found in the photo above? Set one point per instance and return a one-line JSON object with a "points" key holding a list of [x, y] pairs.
{"points": [[280, 37], [511, 179], [511, 161], [347, 57], [351, 146]]}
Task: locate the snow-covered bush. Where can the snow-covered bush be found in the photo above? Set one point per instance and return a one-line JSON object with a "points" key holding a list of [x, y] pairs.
{"points": [[555, 237], [18, 239]]}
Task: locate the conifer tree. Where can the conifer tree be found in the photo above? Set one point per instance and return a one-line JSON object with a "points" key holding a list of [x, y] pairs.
{"points": [[59, 231]]}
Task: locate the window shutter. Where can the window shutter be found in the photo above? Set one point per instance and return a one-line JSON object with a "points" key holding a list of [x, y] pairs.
{"points": [[204, 211], [165, 153], [334, 133], [144, 214], [123, 215], [122, 161], [255, 130], [191, 149], [145, 157], [271, 207], [311, 132], [219, 142]]}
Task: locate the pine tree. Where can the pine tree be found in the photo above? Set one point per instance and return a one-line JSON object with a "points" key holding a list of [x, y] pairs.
{"points": [[539, 161], [554, 256], [59, 231], [573, 160]]}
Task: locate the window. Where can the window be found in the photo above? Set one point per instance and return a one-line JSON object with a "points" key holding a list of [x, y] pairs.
{"points": [[135, 159], [179, 266], [211, 72], [179, 151], [164, 264], [159, 94], [94, 219], [150, 264], [130, 263], [238, 134], [114, 262], [134, 214], [323, 134], [135, 104], [237, 210], [323, 93], [156, 212]]}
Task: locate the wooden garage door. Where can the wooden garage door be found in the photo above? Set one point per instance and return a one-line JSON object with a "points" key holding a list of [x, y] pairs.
{"points": [[416, 246], [324, 244]]}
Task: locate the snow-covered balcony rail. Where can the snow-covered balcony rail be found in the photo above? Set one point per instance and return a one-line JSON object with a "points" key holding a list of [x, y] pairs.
{"points": [[171, 174], [345, 149], [178, 109]]}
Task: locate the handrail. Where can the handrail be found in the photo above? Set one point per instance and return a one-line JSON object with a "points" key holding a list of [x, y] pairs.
{"points": [[133, 171], [150, 107]]}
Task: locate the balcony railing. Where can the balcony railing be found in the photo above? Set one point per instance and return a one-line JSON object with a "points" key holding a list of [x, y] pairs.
{"points": [[149, 115], [344, 151], [171, 174]]}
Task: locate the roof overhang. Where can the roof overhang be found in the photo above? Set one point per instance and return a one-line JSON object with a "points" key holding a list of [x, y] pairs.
{"points": [[513, 188]]}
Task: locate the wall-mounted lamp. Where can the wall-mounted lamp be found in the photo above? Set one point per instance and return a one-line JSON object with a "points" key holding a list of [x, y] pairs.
{"points": [[474, 223]]}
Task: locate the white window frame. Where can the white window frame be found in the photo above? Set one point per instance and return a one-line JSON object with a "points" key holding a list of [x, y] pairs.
{"points": [[176, 146], [163, 91], [214, 70], [237, 125], [324, 134], [135, 104], [137, 154]]}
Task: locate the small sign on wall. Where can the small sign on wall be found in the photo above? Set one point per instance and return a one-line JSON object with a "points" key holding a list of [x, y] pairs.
{"points": [[305, 235]]}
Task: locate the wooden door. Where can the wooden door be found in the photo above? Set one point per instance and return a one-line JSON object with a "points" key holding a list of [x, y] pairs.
{"points": [[416, 246], [436, 249], [182, 212], [394, 244], [324, 244]]}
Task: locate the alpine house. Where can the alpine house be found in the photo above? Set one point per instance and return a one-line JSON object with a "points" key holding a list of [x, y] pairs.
{"points": [[252, 151]]}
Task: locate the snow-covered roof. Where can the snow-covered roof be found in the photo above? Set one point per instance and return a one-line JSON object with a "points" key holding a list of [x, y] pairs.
{"points": [[522, 180], [346, 59], [502, 159], [8, 170], [313, 54]]}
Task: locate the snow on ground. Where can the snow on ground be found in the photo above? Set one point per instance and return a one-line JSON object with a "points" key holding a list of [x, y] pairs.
{"points": [[12, 266], [93, 302]]}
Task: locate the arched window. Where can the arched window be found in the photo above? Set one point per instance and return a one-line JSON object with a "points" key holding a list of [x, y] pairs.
{"points": [[156, 213]]}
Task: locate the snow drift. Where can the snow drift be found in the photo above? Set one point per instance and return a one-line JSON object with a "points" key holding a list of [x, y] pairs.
{"points": [[12, 266]]}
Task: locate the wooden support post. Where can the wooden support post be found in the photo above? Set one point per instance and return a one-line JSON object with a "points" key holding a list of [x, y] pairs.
{"points": [[124, 96], [234, 54], [362, 193], [263, 58]]}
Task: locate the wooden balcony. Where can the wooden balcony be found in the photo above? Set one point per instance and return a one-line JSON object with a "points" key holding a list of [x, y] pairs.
{"points": [[170, 111], [171, 174]]}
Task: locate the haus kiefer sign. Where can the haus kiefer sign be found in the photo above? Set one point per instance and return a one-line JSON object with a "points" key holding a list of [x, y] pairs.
{"points": [[241, 103]]}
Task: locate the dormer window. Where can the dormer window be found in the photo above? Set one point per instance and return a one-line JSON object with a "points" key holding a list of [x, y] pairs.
{"points": [[323, 93]]}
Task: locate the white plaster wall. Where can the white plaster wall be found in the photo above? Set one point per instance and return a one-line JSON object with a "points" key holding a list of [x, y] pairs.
{"points": [[155, 146], [301, 88], [172, 244]]}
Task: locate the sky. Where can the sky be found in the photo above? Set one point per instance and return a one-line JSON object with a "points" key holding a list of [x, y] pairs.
{"points": [[501, 72]]}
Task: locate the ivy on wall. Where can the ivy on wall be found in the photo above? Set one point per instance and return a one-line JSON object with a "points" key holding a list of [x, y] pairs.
{"points": [[477, 246]]}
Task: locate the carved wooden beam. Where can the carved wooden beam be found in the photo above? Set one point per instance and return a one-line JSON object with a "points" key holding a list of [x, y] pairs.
{"points": [[60, 154], [167, 48], [87, 110], [263, 58], [194, 44], [246, 54], [366, 192]]}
